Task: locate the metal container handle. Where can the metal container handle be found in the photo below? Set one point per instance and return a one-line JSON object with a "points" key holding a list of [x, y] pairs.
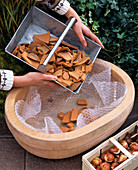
{"points": [[42, 67]]}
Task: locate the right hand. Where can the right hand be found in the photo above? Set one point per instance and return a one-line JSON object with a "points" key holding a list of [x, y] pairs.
{"points": [[35, 79]]}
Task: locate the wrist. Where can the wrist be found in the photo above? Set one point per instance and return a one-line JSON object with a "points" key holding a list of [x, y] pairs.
{"points": [[20, 81], [72, 12]]}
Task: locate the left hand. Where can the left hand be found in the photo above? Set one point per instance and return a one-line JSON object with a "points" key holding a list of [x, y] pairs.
{"points": [[81, 29]]}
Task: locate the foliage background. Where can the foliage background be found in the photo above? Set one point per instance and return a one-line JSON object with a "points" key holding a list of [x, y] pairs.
{"points": [[113, 21]]}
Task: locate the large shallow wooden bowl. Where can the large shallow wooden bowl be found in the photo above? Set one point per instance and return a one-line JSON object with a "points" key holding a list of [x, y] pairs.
{"points": [[57, 146]]}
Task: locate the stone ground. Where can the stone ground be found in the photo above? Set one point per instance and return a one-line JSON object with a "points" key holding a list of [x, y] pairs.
{"points": [[14, 157]]}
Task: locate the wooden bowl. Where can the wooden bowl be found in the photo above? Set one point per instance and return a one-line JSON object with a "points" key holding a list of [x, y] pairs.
{"points": [[58, 146]]}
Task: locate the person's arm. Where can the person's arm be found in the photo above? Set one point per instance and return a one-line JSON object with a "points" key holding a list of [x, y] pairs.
{"points": [[62, 7], [35, 79]]}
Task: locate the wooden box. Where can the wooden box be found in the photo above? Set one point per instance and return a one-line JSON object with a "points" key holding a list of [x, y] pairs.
{"points": [[130, 164]]}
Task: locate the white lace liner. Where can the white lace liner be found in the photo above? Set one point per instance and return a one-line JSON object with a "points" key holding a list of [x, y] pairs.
{"points": [[39, 110]]}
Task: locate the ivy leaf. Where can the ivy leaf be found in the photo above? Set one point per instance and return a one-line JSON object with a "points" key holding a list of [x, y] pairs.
{"points": [[95, 26], [117, 30], [90, 21], [82, 8], [117, 44], [90, 5], [114, 5], [122, 60], [121, 36]]}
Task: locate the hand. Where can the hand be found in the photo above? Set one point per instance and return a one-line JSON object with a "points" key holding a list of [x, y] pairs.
{"points": [[80, 28], [35, 79]]}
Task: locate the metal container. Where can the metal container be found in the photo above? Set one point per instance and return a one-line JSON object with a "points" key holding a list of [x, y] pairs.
{"points": [[38, 22]]}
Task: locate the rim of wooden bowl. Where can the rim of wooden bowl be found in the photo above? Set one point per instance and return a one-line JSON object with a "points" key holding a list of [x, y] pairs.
{"points": [[126, 103]]}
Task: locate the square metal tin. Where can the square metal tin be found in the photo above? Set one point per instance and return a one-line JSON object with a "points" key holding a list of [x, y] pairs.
{"points": [[39, 22]]}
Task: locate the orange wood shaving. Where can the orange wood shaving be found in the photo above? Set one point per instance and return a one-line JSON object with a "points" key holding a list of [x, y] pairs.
{"points": [[65, 55], [75, 86], [66, 117], [66, 75], [67, 82], [60, 115], [22, 48], [83, 77], [74, 74], [70, 124], [19, 55], [49, 66], [88, 68], [43, 49], [53, 58], [53, 39], [31, 62], [74, 114], [58, 73], [82, 102], [43, 37], [64, 129], [71, 128], [43, 58], [15, 50], [33, 57]]}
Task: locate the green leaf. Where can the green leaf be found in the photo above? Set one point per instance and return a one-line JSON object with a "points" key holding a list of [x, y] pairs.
{"points": [[121, 36], [107, 12], [117, 30], [11, 14], [117, 44], [95, 26]]}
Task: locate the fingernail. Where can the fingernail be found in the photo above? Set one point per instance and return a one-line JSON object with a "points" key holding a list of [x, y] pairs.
{"points": [[102, 47], [85, 44]]}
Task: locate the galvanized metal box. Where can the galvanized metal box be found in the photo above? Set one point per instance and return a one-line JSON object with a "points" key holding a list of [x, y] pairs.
{"points": [[38, 22]]}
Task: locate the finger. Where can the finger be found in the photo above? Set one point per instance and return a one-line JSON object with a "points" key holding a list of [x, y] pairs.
{"points": [[49, 77], [98, 41], [50, 83], [81, 37], [94, 38]]}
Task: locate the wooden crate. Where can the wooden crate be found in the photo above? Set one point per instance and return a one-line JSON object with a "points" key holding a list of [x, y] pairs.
{"points": [[130, 164]]}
